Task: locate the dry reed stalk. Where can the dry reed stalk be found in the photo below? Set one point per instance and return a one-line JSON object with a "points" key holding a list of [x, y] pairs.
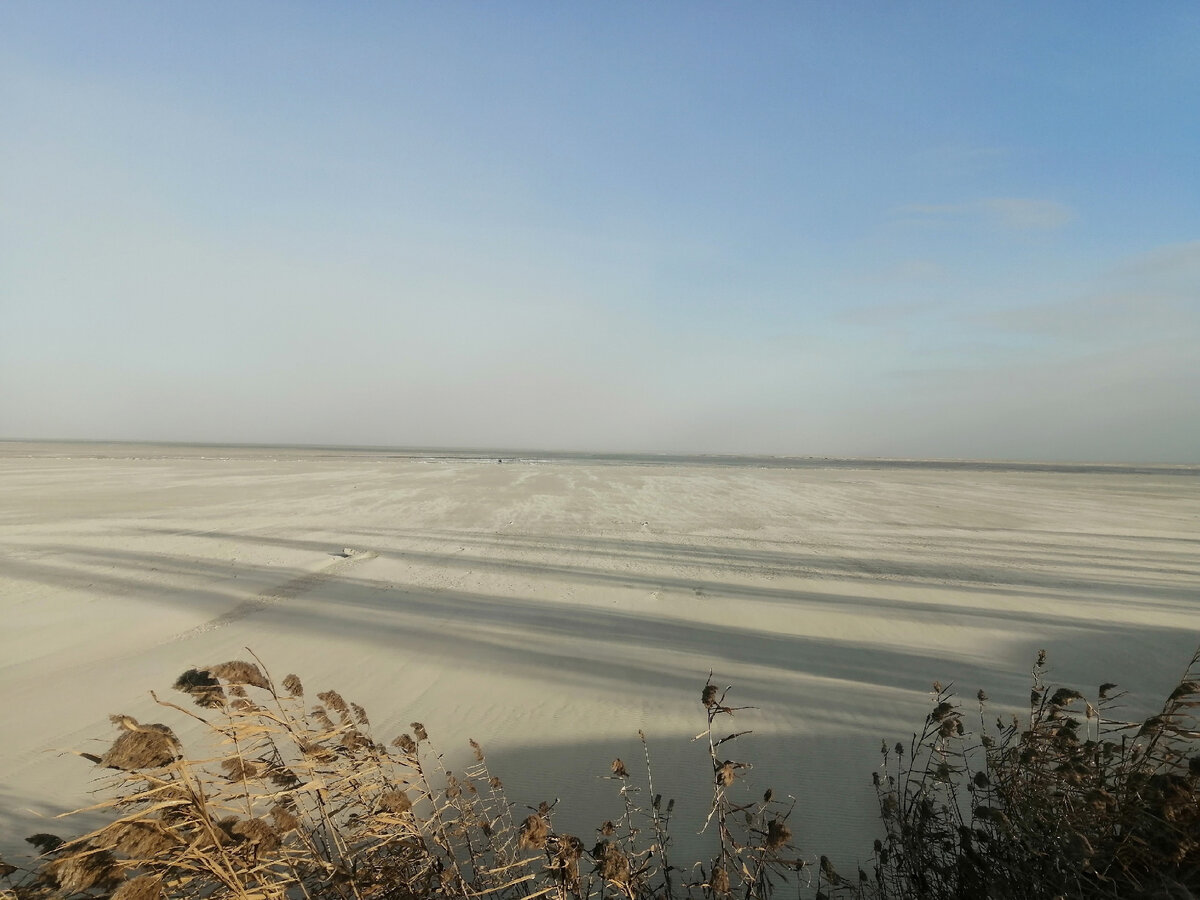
{"points": [[291, 802], [286, 805], [1074, 802]]}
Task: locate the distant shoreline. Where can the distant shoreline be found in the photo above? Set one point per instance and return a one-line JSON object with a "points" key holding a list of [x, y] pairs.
{"points": [[82, 449]]}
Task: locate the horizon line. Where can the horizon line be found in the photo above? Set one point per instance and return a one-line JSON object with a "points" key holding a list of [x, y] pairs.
{"points": [[515, 454]]}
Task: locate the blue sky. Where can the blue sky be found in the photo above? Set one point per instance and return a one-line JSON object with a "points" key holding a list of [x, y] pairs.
{"points": [[925, 230]]}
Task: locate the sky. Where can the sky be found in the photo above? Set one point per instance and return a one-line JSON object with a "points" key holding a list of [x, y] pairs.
{"points": [[813, 229]]}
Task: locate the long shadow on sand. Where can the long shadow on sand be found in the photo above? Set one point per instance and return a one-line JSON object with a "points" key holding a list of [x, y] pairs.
{"points": [[1051, 579], [839, 696], [590, 645]]}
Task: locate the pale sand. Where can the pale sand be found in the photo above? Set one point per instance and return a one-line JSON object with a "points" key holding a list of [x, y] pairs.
{"points": [[553, 609]]}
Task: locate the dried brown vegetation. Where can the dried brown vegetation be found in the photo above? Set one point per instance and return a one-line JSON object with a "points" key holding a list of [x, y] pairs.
{"points": [[1071, 800], [286, 799], [290, 800]]}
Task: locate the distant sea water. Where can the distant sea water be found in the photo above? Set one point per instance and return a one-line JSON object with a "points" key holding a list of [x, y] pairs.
{"points": [[162, 450]]}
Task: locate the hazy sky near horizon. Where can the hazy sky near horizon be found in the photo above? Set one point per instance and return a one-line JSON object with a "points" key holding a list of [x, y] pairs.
{"points": [[881, 229]]}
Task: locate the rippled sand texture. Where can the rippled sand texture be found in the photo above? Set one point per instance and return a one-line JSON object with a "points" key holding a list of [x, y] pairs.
{"points": [[551, 609]]}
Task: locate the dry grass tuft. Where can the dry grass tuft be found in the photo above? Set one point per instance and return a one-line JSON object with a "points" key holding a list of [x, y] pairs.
{"points": [[405, 743], [238, 769], [334, 701], [534, 832], [85, 869], [778, 835], [394, 802], [45, 843], [204, 690], [142, 887], [239, 673], [138, 839], [141, 748], [255, 832], [612, 864], [289, 802], [1074, 801], [293, 686]]}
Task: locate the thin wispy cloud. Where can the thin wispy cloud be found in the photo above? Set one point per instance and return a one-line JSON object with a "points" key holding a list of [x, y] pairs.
{"points": [[1016, 213], [1025, 213]]}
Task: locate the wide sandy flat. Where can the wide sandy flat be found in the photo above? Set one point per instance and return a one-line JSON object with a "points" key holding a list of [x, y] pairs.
{"points": [[552, 609]]}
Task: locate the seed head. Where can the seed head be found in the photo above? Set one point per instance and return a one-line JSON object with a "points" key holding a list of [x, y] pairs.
{"points": [[238, 769], [257, 832], [138, 840], [829, 871], [87, 868], [405, 743], [334, 701], [719, 880], [778, 834], [322, 718], [394, 802], [45, 843], [284, 777], [240, 672], [143, 887], [145, 748], [204, 690], [534, 831], [1065, 696], [942, 710], [612, 863], [284, 820]]}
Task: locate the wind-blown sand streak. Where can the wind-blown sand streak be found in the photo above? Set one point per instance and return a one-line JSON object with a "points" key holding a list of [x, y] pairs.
{"points": [[552, 608]]}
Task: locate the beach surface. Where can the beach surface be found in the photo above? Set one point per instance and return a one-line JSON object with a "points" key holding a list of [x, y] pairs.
{"points": [[553, 607]]}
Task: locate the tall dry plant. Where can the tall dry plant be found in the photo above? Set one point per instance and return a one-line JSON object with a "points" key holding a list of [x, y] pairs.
{"points": [[754, 841], [287, 799], [293, 797], [1072, 801]]}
